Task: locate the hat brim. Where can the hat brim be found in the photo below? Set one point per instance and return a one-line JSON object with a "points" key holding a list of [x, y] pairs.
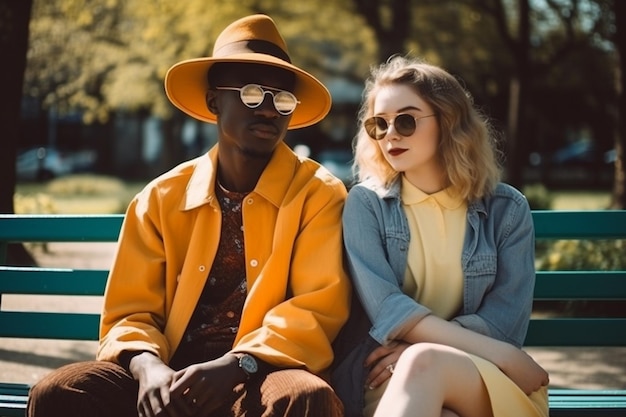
{"points": [[186, 86]]}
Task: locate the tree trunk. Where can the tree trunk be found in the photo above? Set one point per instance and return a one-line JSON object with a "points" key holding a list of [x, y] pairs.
{"points": [[14, 20], [618, 200], [392, 28], [518, 102]]}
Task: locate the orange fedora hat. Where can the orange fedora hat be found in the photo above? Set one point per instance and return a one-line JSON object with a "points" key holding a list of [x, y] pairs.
{"points": [[252, 39]]}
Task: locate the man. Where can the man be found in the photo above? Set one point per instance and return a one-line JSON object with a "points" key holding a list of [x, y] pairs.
{"points": [[228, 284]]}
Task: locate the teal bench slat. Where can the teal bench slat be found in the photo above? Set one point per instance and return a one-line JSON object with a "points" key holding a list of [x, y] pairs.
{"points": [[563, 402], [576, 332], [592, 224], [52, 281], [563, 394], [64, 326], [587, 403], [60, 228], [574, 285], [580, 403], [13, 399], [551, 285]]}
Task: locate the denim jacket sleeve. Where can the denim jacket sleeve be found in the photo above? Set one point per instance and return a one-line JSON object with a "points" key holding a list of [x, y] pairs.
{"points": [[498, 261], [376, 248]]}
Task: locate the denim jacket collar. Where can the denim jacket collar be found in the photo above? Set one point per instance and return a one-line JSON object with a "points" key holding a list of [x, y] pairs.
{"points": [[393, 191]]}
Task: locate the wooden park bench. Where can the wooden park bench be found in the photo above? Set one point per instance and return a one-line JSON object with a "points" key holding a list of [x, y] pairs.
{"points": [[551, 285]]}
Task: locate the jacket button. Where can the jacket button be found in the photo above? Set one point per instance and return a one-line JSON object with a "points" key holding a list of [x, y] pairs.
{"points": [[254, 262], [201, 268]]}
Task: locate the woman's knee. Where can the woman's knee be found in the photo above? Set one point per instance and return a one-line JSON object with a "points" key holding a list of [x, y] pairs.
{"points": [[422, 357]]}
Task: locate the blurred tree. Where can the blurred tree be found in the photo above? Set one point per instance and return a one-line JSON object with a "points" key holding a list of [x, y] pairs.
{"points": [[101, 57], [516, 36], [391, 21], [507, 52], [106, 57], [14, 19], [619, 184], [545, 40]]}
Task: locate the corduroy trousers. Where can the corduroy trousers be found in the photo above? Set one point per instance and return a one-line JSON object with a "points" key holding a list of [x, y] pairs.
{"points": [[105, 389]]}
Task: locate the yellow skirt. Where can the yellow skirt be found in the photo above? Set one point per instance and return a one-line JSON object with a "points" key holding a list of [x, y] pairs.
{"points": [[507, 400]]}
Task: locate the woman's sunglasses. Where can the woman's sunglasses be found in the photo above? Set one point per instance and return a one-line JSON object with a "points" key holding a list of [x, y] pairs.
{"points": [[252, 95], [404, 123]]}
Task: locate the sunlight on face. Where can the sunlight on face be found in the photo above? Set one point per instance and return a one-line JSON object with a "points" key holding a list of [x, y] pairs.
{"points": [[414, 155]]}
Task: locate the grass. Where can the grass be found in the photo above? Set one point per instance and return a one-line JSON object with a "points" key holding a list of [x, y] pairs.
{"points": [[96, 194], [580, 200], [76, 194]]}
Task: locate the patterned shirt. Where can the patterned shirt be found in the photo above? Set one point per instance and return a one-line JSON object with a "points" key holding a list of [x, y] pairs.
{"points": [[215, 321]]}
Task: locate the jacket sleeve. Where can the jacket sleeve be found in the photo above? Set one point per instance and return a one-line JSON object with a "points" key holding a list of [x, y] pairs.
{"points": [[367, 244], [133, 315]]}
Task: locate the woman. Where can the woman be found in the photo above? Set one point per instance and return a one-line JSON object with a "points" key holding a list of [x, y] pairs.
{"points": [[441, 254]]}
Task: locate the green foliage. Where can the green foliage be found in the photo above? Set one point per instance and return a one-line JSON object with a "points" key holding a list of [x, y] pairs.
{"points": [[102, 55], [39, 203], [578, 255], [538, 196], [98, 56]]}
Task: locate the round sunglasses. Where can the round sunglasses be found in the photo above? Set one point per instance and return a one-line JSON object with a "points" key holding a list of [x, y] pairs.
{"points": [[252, 95], [404, 123]]}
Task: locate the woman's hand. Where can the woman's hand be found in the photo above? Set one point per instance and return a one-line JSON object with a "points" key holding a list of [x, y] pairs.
{"points": [[523, 370], [382, 361]]}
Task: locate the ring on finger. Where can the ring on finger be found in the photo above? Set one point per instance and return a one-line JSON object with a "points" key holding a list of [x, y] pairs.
{"points": [[390, 368]]}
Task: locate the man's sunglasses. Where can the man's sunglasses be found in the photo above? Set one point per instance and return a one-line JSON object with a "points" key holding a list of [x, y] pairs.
{"points": [[252, 95], [404, 123]]}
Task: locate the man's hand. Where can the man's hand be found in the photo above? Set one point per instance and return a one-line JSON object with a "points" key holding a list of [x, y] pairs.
{"points": [[154, 378], [201, 388]]}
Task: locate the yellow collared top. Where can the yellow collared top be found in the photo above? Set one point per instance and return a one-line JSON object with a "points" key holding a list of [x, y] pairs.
{"points": [[298, 291], [434, 276]]}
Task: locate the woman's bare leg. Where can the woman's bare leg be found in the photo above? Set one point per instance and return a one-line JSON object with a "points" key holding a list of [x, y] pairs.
{"points": [[429, 379]]}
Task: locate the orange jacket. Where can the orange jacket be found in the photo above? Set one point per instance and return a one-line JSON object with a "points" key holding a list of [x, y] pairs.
{"points": [[298, 291]]}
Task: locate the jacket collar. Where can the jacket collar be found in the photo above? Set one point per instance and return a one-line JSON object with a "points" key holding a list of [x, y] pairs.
{"points": [[394, 190], [272, 185]]}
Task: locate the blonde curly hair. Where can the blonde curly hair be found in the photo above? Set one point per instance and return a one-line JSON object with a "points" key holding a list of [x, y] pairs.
{"points": [[467, 146]]}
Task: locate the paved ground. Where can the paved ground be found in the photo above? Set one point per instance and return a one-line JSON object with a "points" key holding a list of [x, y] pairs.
{"points": [[28, 360]]}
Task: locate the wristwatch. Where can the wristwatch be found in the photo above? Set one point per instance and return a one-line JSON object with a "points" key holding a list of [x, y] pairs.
{"points": [[248, 364]]}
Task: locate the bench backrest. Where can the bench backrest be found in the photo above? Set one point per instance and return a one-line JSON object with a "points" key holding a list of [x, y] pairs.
{"points": [[579, 285], [53, 281], [551, 285]]}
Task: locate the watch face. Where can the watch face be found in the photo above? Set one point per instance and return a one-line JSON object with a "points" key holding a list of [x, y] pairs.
{"points": [[248, 364]]}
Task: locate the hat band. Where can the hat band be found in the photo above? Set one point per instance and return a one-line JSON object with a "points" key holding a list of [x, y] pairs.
{"points": [[254, 46]]}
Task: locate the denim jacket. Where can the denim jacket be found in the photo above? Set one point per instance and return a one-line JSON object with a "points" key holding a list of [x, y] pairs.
{"points": [[497, 262]]}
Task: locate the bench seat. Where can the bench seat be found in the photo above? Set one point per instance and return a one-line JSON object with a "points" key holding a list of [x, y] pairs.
{"points": [[563, 402]]}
